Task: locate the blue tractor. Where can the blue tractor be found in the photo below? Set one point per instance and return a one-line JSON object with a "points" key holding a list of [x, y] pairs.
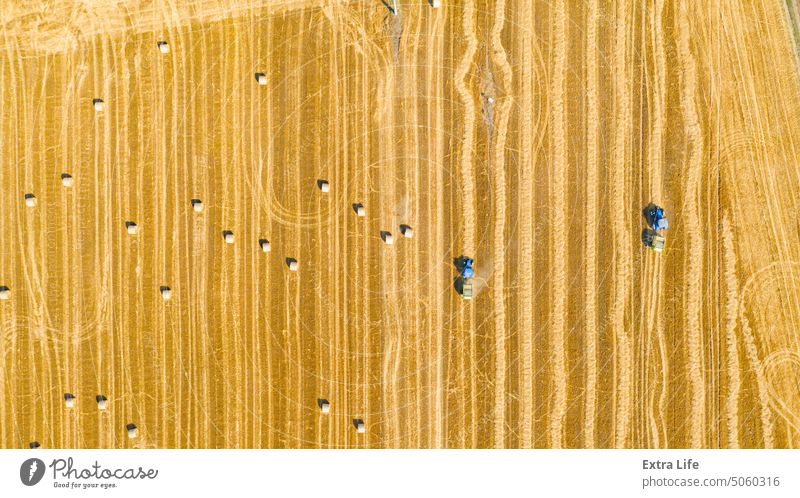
{"points": [[467, 270], [655, 217]]}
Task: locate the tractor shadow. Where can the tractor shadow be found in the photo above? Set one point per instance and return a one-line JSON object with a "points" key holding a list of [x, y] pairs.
{"points": [[458, 284], [458, 280], [459, 262], [647, 214]]}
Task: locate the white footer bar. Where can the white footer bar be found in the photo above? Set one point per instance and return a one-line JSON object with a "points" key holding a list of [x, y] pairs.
{"points": [[406, 473]]}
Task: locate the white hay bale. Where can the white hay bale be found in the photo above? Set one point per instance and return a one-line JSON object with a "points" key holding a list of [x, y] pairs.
{"points": [[98, 104], [197, 205], [361, 211], [30, 200], [132, 430], [407, 231], [324, 405], [5, 293], [292, 264], [264, 245], [227, 235], [387, 238], [131, 227], [261, 78], [69, 400], [102, 402], [360, 427], [163, 47], [324, 185], [67, 180], [436, 3], [166, 292]]}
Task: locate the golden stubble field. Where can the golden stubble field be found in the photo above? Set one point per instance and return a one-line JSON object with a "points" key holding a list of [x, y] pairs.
{"points": [[526, 134]]}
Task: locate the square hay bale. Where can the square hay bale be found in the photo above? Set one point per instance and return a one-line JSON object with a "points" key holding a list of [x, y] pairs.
{"points": [[69, 400], [324, 186], [5, 292], [292, 264], [407, 231], [387, 238], [30, 200], [163, 46], [359, 425], [102, 402], [261, 78], [227, 236], [435, 3], [197, 205], [34, 444], [166, 292], [131, 227], [98, 104], [264, 245], [324, 405], [466, 290], [67, 180], [360, 210], [132, 430]]}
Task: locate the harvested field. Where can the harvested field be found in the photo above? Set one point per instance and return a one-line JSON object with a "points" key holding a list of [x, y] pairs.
{"points": [[527, 135]]}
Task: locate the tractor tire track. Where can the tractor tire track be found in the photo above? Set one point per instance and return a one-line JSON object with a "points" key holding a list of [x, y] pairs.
{"points": [[468, 140], [437, 436], [695, 257], [655, 324], [622, 267], [526, 222], [500, 60], [559, 239], [732, 352], [592, 206]]}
